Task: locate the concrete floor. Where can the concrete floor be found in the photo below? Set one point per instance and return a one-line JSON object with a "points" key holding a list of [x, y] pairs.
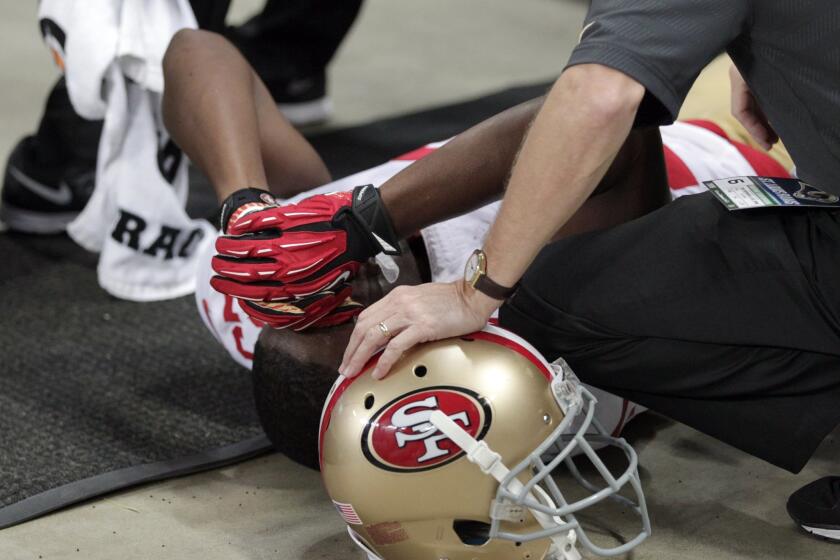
{"points": [[706, 500]]}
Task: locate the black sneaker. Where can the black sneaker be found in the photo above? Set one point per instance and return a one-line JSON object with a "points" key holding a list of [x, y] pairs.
{"points": [[40, 198], [302, 99], [299, 87], [816, 507]]}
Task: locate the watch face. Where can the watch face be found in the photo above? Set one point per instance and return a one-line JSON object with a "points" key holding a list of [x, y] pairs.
{"points": [[471, 270]]}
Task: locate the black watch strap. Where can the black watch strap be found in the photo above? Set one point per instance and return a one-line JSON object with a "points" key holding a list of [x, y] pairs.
{"points": [[490, 288]]}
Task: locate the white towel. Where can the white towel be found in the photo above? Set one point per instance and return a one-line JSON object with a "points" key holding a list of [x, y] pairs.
{"points": [[135, 218], [83, 36]]}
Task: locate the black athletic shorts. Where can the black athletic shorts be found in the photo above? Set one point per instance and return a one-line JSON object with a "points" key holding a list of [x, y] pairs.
{"points": [[726, 321]]}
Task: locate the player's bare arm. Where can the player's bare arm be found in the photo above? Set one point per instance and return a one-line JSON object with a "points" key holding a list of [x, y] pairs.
{"points": [[564, 156], [468, 172], [472, 169]]}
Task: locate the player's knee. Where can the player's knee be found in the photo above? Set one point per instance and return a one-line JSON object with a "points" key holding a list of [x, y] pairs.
{"points": [[183, 43], [179, 42]]}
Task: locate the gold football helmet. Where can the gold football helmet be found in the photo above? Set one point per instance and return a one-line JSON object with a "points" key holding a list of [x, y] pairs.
{"points": [[450, 457]]}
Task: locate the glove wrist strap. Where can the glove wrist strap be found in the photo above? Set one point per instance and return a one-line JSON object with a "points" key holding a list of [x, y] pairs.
{"points": [[368, 209], [240, 198]]}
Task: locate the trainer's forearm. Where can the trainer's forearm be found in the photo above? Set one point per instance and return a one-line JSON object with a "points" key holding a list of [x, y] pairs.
{"points": [[219, 112], [580, 128], [466, 173]]}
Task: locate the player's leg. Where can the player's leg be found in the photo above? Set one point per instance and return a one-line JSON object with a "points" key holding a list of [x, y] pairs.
{"points": [[221, 115], [727, 321]]}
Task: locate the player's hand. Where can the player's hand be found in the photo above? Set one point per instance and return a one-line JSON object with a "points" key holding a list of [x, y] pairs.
{"points": [[411, 315], [746, 110], [309, 250]]}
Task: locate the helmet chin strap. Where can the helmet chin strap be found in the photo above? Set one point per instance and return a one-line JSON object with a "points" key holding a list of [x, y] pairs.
{"points": [[355, 537], [490, 462]]}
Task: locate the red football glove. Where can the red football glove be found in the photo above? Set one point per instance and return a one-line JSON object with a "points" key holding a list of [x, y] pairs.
{"points": [[275, 253], [319, 310]]}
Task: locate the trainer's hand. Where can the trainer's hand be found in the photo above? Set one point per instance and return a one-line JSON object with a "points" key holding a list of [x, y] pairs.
{"points": [[414, 314], [745, 108]]}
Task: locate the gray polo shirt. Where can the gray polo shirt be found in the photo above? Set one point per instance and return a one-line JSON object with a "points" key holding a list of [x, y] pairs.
{"points": [[787, 50]]}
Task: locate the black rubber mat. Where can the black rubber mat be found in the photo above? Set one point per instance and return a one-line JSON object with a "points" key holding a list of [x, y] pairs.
{"points": [[91, 385], [98, 394]]}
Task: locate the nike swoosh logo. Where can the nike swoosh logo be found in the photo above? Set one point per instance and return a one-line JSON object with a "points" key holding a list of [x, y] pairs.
{"points": [[61, 196], [344, 276], [296, 87], [341, 278], [384, 244]]}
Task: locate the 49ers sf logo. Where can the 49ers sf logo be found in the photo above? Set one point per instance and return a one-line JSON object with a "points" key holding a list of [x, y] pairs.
{"points": [[399, 436]]}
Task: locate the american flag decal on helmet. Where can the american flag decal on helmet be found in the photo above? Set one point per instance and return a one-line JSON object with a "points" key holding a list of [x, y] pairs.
{"points": [[348, 513]]}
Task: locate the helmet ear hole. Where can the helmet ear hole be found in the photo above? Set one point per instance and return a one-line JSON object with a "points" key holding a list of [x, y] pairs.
{"points": [[420, 371], [472, 533], [369, 401]]}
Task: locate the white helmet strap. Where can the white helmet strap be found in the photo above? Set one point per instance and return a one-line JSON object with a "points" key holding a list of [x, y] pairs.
{"points": [[361, 544], [490, 462]]}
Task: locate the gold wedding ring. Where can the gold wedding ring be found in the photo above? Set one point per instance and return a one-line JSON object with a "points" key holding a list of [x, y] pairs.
{"points": [[384, 329]]}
